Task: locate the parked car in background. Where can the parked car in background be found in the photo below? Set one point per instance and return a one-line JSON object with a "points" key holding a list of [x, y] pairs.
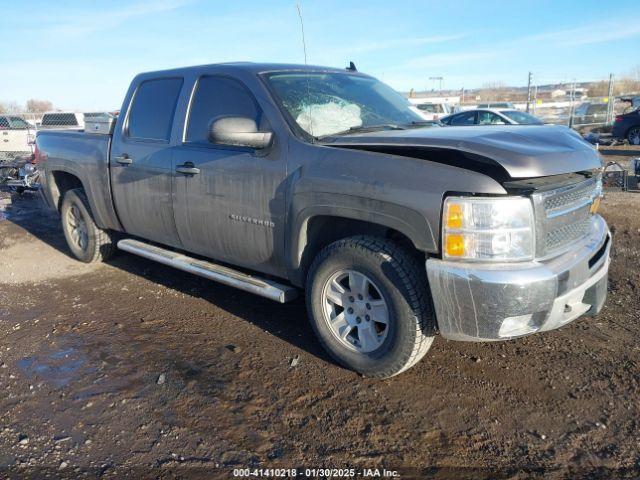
{"points": [[16, 137], [589, 112], [627, 127], [491, 117], [508, 105], [430, 110], [633, 101]]}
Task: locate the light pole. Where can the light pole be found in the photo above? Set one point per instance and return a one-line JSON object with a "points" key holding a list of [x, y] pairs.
{"points": [[438, 79]]}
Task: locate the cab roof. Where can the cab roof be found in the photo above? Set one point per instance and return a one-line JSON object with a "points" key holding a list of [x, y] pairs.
{"points": [[255, 68]]}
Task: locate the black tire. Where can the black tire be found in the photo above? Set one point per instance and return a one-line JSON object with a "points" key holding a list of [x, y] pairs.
{"points": [[402, 282], [633, 135], [98, 245]]}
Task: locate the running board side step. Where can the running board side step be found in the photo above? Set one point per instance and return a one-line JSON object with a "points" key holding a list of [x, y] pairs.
{"points": [[218, 273]]}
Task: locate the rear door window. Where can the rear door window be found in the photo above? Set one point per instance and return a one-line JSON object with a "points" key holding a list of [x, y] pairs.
{"points": [[215, 97], [153, 108], [490, 118]]}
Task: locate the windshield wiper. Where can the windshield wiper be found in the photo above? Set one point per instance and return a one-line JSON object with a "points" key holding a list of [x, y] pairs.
{"points": [[382, 126], [370, 128], [423, 123]]}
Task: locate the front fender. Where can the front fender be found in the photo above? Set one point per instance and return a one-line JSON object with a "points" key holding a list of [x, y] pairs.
{"points": [[306, 206]]}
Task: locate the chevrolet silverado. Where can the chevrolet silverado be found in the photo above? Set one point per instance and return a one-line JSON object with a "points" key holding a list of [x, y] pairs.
{"points": [[278, 179]]}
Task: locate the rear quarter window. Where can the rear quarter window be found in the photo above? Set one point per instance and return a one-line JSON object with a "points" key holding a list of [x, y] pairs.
{"points": [[58, 119], [154, 105]]}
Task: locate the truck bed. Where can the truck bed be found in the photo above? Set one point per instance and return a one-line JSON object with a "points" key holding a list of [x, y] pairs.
{"points": [[85, 156]]}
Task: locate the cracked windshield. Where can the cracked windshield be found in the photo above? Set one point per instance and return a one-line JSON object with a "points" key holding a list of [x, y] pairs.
{"points": [[325, 104]]}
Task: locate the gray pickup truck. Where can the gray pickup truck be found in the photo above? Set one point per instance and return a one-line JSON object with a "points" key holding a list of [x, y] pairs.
{"points": [[281, 178]]}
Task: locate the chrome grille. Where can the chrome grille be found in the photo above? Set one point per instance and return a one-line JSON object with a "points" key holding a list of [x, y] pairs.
{"points": [[563, 200], [566, 234], [562, 216]]}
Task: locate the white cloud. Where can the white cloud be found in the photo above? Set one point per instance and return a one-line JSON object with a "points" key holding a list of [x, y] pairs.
{"points": [[86, 22], [401, 43], [588, 34], [447, 59]]}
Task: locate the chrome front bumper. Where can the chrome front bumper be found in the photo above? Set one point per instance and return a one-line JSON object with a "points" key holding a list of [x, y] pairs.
{"points": [[480, 302]]}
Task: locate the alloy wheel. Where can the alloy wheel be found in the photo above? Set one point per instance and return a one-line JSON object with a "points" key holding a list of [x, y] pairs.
{"points": [[77, 228], [355, 311]]}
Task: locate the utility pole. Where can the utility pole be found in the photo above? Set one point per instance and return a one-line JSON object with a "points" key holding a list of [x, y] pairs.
{"points": [[610, 101], [439, 79], [529, 91], [573, 96]]}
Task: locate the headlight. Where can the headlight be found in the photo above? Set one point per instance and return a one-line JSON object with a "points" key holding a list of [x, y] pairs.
{"points": [[488, 229]]}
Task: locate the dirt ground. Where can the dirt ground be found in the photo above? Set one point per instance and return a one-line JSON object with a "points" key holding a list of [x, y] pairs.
{"points": [[133, 369]]}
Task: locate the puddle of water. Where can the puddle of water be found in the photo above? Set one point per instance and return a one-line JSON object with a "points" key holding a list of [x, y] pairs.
{"points": [[58, 367]]}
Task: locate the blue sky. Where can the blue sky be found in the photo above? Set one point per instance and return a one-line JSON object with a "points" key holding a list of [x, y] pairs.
{"points": [[82, 54]]}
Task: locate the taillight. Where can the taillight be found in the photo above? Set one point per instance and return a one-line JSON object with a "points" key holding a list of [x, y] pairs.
{"points": [[36, 154], [618, 118]]}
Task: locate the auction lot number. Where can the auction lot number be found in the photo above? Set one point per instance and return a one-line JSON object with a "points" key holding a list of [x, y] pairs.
{"points": [[314, 473]]}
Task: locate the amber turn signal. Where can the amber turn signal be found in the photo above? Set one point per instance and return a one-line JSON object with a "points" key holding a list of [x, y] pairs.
{"points": [[454, 245], [454, 215]]}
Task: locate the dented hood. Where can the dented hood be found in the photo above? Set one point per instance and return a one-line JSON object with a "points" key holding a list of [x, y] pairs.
{"points": [[523, 151]]}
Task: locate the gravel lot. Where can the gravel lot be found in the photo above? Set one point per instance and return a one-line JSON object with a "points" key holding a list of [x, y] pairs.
{"points": [[134, 369]]}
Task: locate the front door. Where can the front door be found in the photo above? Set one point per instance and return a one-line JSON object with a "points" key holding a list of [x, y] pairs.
{"points": [[141, 163], [232, 207]]}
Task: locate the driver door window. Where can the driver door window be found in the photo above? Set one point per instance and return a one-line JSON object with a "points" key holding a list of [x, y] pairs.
{"points": [[217, 97]]}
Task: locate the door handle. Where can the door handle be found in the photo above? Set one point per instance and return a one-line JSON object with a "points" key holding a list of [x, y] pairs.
{"points": [[124, 159], [188, 169]]}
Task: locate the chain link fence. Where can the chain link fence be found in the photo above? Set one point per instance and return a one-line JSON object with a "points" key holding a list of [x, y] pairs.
{"points": [[588, 106]]}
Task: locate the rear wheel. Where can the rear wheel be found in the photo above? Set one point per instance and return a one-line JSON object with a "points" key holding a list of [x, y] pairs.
{"points": [[634, 136], [369, 305], [87, 242]]}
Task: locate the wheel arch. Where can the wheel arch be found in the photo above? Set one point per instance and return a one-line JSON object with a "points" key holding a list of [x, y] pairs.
{"points": [[61, 181], [632, 127], [315, 227]]}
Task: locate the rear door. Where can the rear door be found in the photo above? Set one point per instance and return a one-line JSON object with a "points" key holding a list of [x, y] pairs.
{"points": [[141, 162], [232, 209]]}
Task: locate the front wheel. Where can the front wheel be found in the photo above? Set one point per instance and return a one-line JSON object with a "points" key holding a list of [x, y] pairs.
{"points": [[369, 305], [634, 136], [87, 242]]}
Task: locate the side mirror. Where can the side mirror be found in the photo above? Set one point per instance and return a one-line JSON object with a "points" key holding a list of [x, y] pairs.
{"points": [[239, 131]]}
